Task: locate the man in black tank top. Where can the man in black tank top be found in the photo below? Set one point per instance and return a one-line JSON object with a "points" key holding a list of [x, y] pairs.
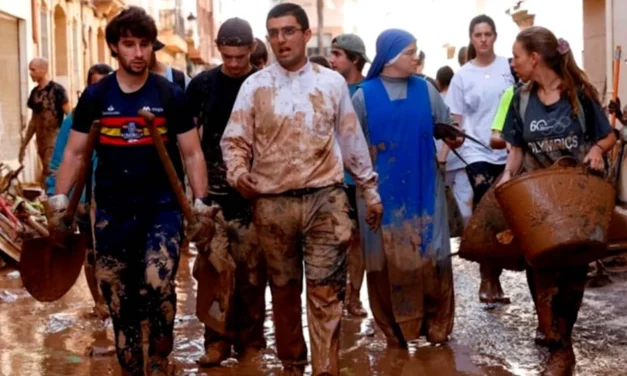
{"points": [[211, 96]]}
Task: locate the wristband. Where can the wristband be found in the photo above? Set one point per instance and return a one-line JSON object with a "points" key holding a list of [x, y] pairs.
{"points": [[599, 146]]}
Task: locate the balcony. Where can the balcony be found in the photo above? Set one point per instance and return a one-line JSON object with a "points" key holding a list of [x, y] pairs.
{"points": [[172, 30], [108, 6]]}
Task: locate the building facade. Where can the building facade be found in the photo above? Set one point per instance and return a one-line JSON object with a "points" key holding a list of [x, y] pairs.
{"points": [[605, 27], [69, 34]]}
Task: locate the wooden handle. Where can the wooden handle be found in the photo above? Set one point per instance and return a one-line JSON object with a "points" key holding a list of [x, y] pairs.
{"points": [[167, 164], [77, 191], [615, 152], [617, 57]]}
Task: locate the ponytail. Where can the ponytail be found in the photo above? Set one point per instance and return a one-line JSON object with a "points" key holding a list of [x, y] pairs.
{"points": [[575, 79], [558, 56]]}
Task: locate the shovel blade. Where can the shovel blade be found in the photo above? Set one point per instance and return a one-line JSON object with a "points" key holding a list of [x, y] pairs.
{"points": [[215, 291], [49, 271]]}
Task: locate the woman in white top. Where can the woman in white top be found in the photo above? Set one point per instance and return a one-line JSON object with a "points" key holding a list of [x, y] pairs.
{"points": [[473, 98]]}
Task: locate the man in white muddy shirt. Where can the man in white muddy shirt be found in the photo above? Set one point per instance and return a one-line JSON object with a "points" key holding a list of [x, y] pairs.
{"points": [[292, 132]]}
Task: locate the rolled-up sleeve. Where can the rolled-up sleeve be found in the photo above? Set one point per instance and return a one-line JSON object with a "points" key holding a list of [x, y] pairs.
{"points": [[355, 150], [237, 139]]}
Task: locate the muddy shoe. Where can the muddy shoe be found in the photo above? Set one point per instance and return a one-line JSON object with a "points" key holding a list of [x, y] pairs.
{"points": [[215, 354], [250, 355], [500, 295], [490, 292], [561, 363], [487, 292], [355, 308], [396, 343]]}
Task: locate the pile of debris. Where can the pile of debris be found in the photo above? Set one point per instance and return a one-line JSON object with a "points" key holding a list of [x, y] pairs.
{"points": [[22, 214]]}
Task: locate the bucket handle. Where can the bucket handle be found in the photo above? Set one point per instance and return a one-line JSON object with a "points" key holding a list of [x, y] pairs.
{"points": [[571, 162]]}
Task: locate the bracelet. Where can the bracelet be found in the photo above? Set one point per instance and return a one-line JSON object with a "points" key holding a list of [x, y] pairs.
{"points": [[599, 146]]}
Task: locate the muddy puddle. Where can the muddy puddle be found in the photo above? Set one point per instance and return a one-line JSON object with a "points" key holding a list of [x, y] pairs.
{"points": [[63, 339]]}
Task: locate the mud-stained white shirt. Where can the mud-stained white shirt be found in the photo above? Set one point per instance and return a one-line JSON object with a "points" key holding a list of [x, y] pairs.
{"points": [[295, 130]]}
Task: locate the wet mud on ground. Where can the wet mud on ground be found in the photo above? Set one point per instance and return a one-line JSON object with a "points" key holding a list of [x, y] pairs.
{"points": [[57, 339]]}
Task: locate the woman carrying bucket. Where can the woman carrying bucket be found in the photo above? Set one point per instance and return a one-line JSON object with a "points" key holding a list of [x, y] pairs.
{"points": [[473, 97], [556, 114]]}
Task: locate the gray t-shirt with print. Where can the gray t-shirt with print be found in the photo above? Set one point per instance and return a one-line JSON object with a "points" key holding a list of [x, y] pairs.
{"points": [[551, 131]]}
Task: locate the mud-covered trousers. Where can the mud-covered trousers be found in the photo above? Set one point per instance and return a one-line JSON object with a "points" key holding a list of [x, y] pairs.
{"points": [[137, 257], [245, 320], [310, 226], [557, 294], [356, 264]]}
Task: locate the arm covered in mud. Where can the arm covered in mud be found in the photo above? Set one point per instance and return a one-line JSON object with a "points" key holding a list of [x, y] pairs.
{"points": [[354, 148], [237, 139]]}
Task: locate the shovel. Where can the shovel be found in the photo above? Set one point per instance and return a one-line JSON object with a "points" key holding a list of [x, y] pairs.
{"points": [[214, 300], [443, 130], [49, 270]]}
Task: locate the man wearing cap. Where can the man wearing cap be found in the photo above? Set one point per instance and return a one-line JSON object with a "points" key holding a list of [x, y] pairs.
{"points": [[348, 57], [173, 75], [210, 96], [292, 131]]}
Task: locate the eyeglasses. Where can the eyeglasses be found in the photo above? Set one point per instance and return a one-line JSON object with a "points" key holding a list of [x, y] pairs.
{"points": [[286, 32]]}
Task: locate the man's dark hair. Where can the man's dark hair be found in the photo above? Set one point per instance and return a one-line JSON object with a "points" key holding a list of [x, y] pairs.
{"points": [[290, 9], [462, 56], [321, 60], [132, 21], [357, 59], [101, 69], [421, 57], [260, 54], [444, 77]]}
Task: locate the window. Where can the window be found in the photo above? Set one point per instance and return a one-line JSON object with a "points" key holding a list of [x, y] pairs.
{"points": [[312, 46], [43, 31]]}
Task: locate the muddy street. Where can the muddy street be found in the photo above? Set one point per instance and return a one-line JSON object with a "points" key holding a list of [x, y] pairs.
{"points": [[63, 339]]}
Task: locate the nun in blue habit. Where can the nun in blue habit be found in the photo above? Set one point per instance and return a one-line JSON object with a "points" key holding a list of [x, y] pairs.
{"points": [[408, 263]]}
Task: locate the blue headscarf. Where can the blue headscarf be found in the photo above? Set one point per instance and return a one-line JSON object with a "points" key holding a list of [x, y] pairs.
{"points": [[390, 43]]}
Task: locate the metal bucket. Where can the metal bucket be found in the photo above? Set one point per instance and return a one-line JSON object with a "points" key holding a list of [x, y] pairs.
{"points": [[560, 215]]}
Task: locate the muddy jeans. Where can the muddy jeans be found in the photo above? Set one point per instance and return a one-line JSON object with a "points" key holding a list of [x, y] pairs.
{"points": [[311, 227], [137, 256], [246, 318], [45, 150], [356, 263], [557, 294], [482, 175]]}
